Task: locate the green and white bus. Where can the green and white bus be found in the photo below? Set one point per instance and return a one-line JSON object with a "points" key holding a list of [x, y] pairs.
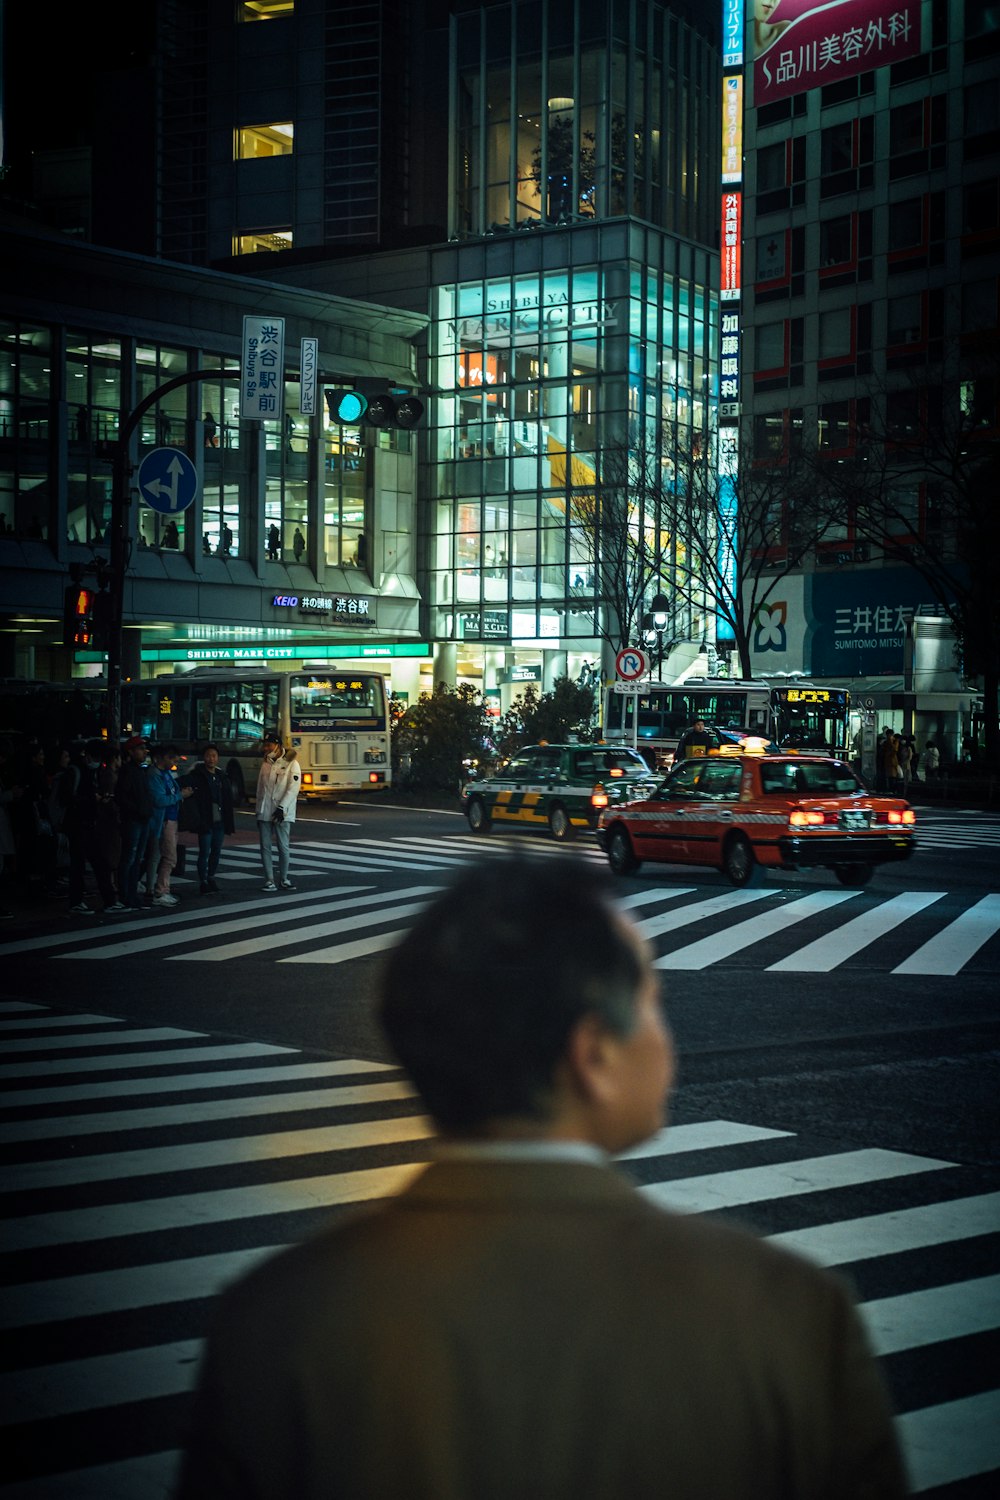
{"points": [[338, 721]]}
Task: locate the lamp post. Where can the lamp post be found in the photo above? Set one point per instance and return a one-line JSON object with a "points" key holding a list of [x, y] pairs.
{"points": [[660, 614]]}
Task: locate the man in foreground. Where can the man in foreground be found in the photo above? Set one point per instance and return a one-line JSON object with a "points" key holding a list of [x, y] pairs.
{"points": [[520, 1320]]}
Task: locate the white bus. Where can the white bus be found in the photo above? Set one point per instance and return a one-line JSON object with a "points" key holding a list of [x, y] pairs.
{"points": [[337, 721], [797, 716]]}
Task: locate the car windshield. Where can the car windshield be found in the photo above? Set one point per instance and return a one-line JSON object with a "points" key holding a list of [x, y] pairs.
{"points": [[824, 778]]}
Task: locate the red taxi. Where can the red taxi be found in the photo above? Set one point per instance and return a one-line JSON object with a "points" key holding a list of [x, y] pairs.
{"points": [[744, 814]]}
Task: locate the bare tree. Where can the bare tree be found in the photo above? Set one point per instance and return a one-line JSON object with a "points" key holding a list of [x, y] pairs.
{"points": [[739, 528], [614, 529], [923, 485]]}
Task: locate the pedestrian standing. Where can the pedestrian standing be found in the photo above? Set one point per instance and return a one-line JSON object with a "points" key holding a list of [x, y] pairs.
{"points": [[518, 1318], [273, 543], [162, 852], [211, 428], [135, 804], [277, 789], [932, 760], [88, 844], [212, 805], [904, 759], [298, 544]]}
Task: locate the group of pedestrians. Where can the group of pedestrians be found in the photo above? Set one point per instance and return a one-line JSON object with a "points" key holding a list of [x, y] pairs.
{"points": [[118, 811], [898, 761]]}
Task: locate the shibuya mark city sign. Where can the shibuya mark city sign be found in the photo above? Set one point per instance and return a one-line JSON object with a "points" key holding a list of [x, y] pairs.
{"points": [[803, 44]]}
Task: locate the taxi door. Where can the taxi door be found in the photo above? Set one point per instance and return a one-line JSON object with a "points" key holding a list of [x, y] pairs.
{"points": [[710, 815], [659, 826], [531, 776], [507, 786]]}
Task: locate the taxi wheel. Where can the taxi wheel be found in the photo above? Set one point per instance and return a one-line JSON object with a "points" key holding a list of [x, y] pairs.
{"points": [[479, 818], [738, 861], [621, 855], [560, 826], [854, 875]]}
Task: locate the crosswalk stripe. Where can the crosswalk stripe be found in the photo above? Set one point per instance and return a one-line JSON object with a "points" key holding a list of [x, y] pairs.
{"points": [[914, 1319], [159, 921], [918, 1228], [943, 1443], [36, 1023], [97, 1293], [198, 1210], [313, 932], [837, 946], [76, 1385], [954, 1441], [69, 1042], [721, 945], [343, 952], [232, 1078], [268, 918], [787, 1179], [196, 1156], [192, 1113], [961, 940], [698, 911], [131, 1060]]}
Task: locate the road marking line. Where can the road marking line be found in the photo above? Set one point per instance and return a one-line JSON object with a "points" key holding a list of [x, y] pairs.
{"points": [[313, 932], [902, 1229], [930, 1316], [953, 1441], [837, 946], [961, 940], [154, 1059], [123, 1088], [342, 952], [102, 1380], [698, 911], [275, 915], [721, 945], [787, 1179], [196, 1156], [69, 1226], [108, 1039], [197, 1113]]}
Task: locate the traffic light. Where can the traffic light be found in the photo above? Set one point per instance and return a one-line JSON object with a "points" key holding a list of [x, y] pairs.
{"points": [[78, 617], [377, 405]]}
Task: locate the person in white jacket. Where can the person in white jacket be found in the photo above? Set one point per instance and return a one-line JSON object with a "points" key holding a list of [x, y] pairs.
{"points": [[277, 790]]}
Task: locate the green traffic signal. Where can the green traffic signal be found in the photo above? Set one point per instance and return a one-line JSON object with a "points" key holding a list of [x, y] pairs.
{"points": [[350, 407]]}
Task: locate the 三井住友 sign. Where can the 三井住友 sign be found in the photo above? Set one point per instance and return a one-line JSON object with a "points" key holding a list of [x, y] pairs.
{"points": [[262, 369]]}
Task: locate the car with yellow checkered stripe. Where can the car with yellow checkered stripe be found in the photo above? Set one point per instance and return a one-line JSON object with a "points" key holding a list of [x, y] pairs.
{"points": [[747, 813], [561, 787]]}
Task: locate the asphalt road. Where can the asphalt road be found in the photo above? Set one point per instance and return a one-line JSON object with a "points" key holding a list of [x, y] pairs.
{"points": [[187, 1089]]}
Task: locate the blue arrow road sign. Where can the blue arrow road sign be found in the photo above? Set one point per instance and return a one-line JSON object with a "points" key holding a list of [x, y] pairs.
{"points": [[168, 480]]}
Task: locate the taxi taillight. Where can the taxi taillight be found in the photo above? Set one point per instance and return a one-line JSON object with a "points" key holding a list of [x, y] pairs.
{"points": [[802, 819], [907, 817], [307, 778], [598, 797]]}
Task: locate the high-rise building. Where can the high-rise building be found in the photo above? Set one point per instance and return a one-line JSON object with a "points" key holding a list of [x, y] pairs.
{"points": [[868, 319]]}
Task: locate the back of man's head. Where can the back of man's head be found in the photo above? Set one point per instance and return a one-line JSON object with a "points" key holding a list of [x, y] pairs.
{"points": [[479, 998]]}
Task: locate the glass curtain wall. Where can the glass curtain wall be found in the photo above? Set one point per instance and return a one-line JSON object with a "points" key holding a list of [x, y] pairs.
{"points": [[571, 119], [26, 392], [550, 380]]}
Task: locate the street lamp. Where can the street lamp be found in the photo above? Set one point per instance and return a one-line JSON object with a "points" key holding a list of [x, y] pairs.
{"points": [[660, 611]]}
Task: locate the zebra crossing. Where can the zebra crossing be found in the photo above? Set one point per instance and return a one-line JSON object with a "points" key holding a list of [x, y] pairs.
{"points": [[145, 1167], [970, 829], [777, 928]]}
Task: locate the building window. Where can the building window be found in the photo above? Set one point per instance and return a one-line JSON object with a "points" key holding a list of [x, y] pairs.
{"points": [[836, 334], [836, 241], [906, 224], [981, 207], [904, 324], [979, 305], [982, 108], [772, 347], [25, 393], [260, 240], [252, 141]]}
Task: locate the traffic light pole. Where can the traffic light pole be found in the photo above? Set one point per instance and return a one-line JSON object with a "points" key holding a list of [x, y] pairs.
{"points": [[121, 476]]}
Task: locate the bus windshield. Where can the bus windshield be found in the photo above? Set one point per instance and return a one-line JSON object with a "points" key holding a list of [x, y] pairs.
{"points": [[347, 700], [809, 718]]}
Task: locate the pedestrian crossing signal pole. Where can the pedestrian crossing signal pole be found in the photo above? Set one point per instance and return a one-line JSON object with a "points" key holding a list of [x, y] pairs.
{"points": [[120, 543]]}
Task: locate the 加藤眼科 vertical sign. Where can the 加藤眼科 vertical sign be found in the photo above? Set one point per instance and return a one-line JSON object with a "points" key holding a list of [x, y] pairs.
{"points": [[262, 369]]}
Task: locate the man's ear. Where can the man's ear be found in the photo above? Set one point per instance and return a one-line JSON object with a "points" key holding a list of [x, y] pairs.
{"points": [[590, 1054]]}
